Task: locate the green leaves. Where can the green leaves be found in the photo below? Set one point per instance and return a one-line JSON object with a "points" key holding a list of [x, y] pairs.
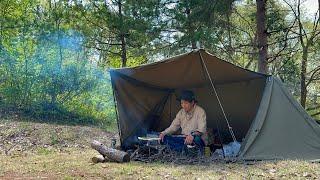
{"points": [[56, 53]]}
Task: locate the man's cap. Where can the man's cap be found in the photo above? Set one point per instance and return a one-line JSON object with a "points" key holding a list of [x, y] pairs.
{"points": [[187, 95]]}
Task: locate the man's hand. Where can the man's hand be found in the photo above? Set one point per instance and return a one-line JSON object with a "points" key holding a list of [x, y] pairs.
{"points": [[189, 139], [161, 136]]}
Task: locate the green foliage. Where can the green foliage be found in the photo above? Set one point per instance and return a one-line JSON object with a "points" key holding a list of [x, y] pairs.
{"points": [[56, 82], [115, 61], [188, 23], [54, 55], [111, 32]]}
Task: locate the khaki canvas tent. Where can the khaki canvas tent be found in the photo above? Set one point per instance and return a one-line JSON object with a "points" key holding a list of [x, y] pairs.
{"points": [[263, 115]]}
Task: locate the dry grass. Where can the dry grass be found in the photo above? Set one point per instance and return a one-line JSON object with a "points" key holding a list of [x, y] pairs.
{"points": [[21, 136], [75, 164], [46, 151]]}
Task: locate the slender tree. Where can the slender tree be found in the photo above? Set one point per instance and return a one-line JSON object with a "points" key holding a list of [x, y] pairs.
{"points": [[308, 37], [262, 36]]}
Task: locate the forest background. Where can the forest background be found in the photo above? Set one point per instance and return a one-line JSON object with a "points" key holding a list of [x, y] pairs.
{"points": [[55, 54]]}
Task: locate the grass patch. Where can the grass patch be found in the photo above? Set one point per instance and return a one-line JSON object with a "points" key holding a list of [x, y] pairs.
{"points": [[44, 151], [57, 116], [76, 164], [62, 152]]}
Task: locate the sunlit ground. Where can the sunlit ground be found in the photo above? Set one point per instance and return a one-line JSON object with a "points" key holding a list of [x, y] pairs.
{"points": [[76, 164]]}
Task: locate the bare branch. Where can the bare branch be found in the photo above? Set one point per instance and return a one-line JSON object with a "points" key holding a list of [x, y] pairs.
{"points": [[279, 54], [313, 108], [285, 40], [316, 18], [101, 49], [106, 43], [312, 77], [315, 114], [249, 63], [301, 29]]}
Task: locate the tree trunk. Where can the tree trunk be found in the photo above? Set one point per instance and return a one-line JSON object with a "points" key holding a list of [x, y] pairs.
{"points": [[230, 49], [262, 35], [191, 29], [303, 86], [123, 51], [112, 154], [122, 37], [26, 77], [53, 102]]}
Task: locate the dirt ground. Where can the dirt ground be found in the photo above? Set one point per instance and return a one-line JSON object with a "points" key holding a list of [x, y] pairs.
{"points": [[18, 137], [31, 150], [74, 163]]}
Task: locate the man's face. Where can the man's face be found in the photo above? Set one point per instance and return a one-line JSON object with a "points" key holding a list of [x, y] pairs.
{"points": [[186, 105]]}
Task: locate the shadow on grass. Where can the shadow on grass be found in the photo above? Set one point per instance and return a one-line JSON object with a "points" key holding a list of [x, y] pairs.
{"points": [[201, 162]]}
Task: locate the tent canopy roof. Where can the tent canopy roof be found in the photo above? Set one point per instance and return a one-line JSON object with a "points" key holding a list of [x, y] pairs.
{"points": [[187, 70]]}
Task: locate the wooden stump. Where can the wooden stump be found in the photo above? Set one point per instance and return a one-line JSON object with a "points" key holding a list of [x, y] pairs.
{"points": [[110, 153]]}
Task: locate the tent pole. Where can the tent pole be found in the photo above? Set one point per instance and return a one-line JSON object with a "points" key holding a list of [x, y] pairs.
{"points": [[218, 124], [116, 109], [215, 92]]}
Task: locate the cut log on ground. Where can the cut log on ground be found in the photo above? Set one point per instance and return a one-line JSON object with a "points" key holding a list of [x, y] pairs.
{"points": [[98, 159], [110, 153]]}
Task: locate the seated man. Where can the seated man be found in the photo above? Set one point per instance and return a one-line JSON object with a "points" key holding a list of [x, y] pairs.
{"points": [[192, 121]]}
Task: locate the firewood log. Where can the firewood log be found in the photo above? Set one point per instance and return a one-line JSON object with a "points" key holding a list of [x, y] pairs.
{"points": [[110, 153], [98, 159]]}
